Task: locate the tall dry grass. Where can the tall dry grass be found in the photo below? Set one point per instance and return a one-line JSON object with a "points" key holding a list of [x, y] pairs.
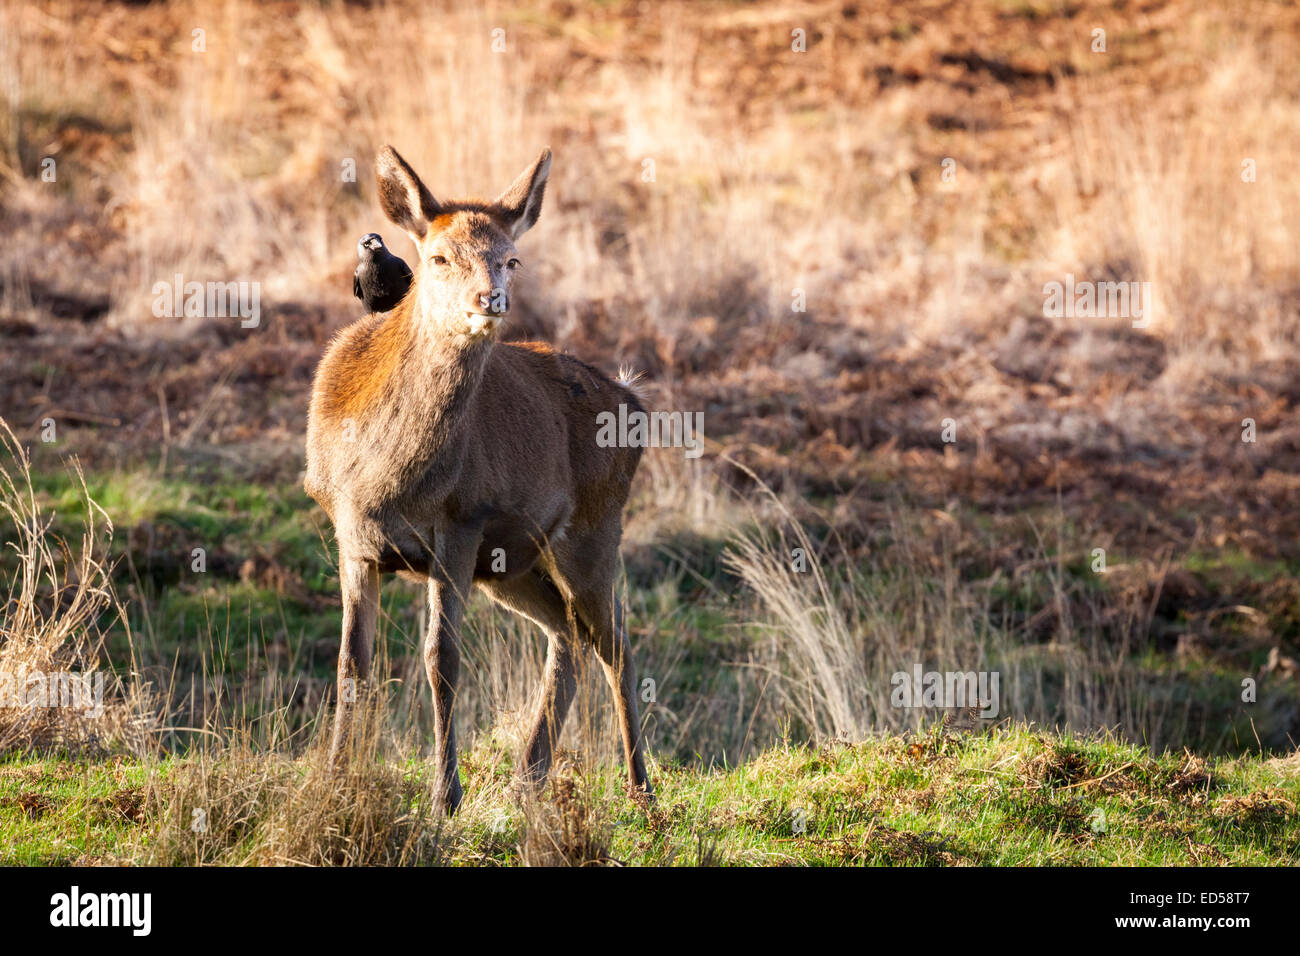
{"points": [[59, 606], [233, 170], [832, 631], [1186, 193], [232, 802]]}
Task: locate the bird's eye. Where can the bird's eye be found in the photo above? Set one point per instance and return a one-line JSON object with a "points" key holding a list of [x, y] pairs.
{"points": [[512, 264], [439, 260]]}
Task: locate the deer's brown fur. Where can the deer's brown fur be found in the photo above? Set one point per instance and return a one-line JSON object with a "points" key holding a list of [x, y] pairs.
{"points": [[431, 445]]}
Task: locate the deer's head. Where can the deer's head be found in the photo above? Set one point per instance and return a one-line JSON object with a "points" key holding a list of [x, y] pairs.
{"points": [[467, 248]]}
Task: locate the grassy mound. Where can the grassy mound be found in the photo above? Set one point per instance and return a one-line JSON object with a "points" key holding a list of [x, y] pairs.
{"points": [[1011, 797]]}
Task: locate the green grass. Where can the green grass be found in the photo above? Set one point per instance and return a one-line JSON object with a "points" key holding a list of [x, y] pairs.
{"points": [[1235, 563], [57, 812], [1009, 797], [267, 603], [1012, 797], [286, 594]]}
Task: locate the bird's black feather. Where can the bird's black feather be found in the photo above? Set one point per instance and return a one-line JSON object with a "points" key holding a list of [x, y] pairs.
{"points": [[382, 279]]}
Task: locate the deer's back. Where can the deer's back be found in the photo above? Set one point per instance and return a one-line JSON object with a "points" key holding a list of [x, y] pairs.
{"points": [[546, 406]]}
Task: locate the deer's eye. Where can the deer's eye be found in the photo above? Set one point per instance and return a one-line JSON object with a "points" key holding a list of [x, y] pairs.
{"points": [[438, 260], [512, 264]]}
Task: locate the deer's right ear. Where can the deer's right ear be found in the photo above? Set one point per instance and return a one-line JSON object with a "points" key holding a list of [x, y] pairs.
{"points": [[405, 200]]}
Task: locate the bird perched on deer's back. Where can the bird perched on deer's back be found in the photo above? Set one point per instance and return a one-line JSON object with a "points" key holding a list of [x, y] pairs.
{"points": [[381, 279]]}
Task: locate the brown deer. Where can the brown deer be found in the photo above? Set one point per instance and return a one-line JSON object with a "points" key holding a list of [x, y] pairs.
{"points": [[450, 458]]}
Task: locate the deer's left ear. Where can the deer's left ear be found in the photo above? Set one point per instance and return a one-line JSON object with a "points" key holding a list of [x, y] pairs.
{"points": [[521, 204]]}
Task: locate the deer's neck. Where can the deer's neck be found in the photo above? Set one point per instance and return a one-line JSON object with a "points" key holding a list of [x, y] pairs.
{"points": [[429, 395], [445, 374]]}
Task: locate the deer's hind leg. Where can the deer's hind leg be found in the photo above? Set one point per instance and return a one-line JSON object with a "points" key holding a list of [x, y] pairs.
{"points": [[605, 630], [536, 598], [589, 568]]}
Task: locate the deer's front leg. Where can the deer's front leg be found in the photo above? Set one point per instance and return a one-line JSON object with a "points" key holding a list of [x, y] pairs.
{"points": [[359, 584], [449, 586]]}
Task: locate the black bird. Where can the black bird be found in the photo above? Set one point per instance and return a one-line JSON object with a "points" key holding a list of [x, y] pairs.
{"points": [[381, 278]]}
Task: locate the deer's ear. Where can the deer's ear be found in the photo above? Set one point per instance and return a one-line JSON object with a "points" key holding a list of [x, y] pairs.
{"points": [[521, 204], [404, 198]]}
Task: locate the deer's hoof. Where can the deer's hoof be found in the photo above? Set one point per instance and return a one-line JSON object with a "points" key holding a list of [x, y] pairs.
{"points": [[451, 797], [642, 794]]}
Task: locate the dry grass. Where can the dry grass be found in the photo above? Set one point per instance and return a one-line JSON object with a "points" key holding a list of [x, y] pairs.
{"points": [[835, 189], [774, 173], [816, 631], [568, 826], [833, 626], [234, 804], [52, 630]]}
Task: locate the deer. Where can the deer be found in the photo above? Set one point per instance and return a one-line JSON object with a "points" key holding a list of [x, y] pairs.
{"points": [[449, 457]]}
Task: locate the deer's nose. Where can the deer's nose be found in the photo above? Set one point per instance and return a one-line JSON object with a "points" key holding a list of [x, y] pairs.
{"points": [[496, 301]]}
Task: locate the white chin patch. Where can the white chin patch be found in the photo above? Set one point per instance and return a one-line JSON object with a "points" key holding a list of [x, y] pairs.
{"points": [[481, 324]]}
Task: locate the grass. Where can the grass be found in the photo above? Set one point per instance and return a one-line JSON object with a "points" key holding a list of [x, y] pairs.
{"points": [[748, 661], [733, 654], [713, 616], [56, 811], [1010, 797], [267, 602]]}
